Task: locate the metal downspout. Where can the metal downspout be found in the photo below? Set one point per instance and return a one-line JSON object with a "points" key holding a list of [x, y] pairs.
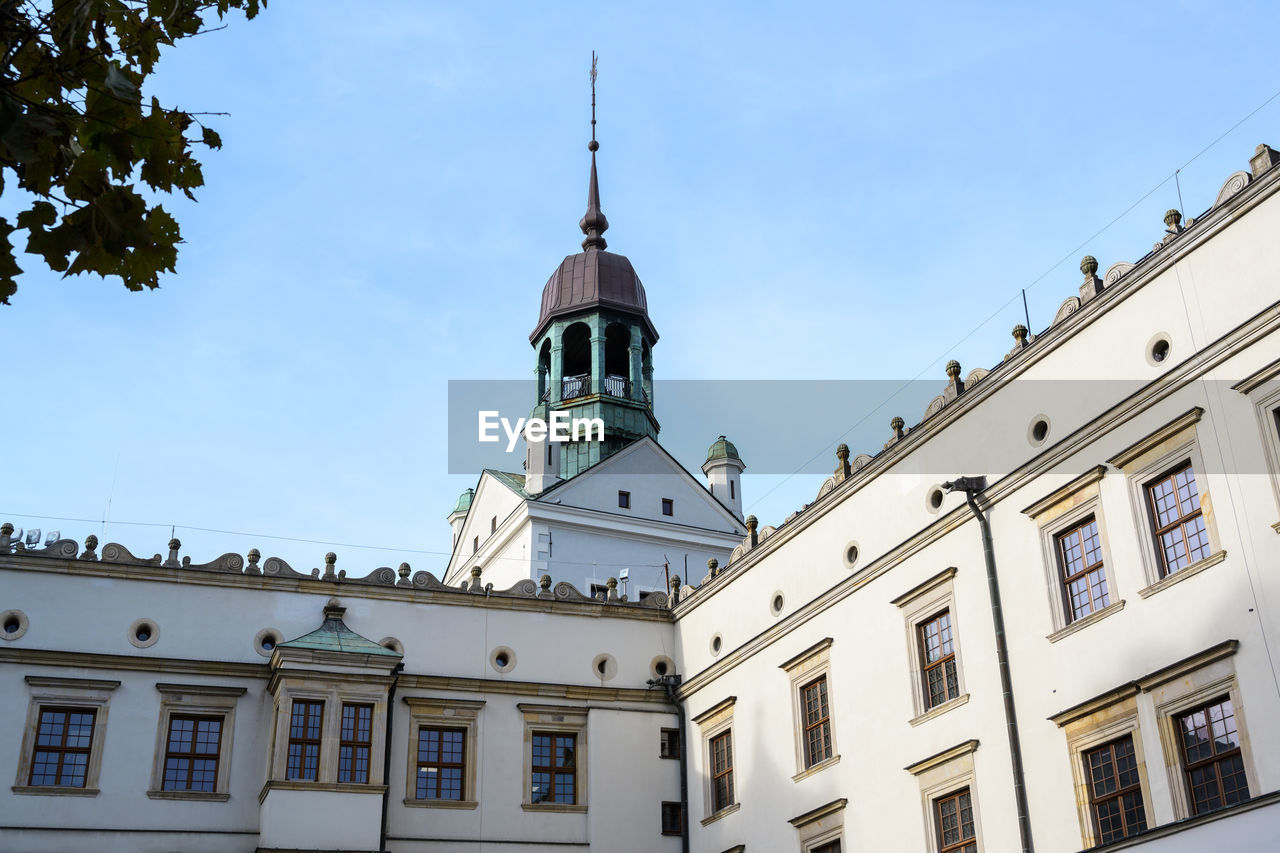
{"points": [[386, 756], [669, 684]]}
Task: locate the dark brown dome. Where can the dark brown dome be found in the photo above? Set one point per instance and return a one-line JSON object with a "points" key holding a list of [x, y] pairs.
{"points": [[589, 280]]}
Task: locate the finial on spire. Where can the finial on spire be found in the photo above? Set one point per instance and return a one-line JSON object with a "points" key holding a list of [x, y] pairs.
{"points": [[593, 223]]}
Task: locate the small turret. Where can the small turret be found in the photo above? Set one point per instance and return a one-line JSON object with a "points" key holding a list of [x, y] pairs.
{"points": [[724, 469], [459, 513]]}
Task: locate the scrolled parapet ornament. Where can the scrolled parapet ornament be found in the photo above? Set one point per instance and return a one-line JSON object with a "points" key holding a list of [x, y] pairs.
{"points": [[278, 568], [65, 549], [935, 405], [975, 376], [860, 461], [381, 576], [566, 591], [226, 563], [1234, 184], [114, 552], [525, 588], [423, 579], [1069, 306], [828, 485], [1115, 271], [655, 601]]}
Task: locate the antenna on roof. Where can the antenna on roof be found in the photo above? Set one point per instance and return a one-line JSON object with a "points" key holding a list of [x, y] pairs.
{"points": [[594, 144]]}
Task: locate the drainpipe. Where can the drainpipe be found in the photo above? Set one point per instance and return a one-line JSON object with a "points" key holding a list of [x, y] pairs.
{"points": [[386, 755], [971, 486], [669, 683]]}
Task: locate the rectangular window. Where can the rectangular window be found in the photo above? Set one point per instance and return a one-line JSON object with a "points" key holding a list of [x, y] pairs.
{"points": [[475, 544], [1115, 791], [669, 745], [1211, 759], [1174, 503], [817, 722], [191, 754], [624, 500], [831, 847], [672, 819], [554, 768], [353, 745], [722, 771], [493, 524], [63, 742], [668, 506], [305, 723], [1084, 579], [954, 814], [731, 497], [441, 763], [937, 650]]}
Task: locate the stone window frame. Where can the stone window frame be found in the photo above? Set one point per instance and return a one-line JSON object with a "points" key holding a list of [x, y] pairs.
{"points": [[444, 712], [802, 670], [50, 692], [919, 604], [1181, 687], [1093, 724], [1263, 392], [712, 723], [334, 697], [1146, 461], [941, 775], [205, 700], [1059, 512], [821, 826], [566, 719]]}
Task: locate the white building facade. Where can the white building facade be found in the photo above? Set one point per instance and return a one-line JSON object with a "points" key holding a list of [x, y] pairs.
{"points": [[1044, 617]]}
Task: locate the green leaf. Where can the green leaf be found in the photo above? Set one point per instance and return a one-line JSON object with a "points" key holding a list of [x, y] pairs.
{"points": [[9, 268], [211, 137]]}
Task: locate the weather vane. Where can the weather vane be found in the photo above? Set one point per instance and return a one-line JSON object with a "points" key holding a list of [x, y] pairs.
{"points": [[594, 144]]}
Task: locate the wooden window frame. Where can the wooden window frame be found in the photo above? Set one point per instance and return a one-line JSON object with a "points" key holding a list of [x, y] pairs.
{"points": [[555, 720], [62, 750], [927, 667], [1263, 391], [193, 756], [440, 764], [805, 669], [725, 737], [667, 809], [1095, 800], [712, 723], [940, 776], [669, 745], [1066, 577], [199, 700], [1179, 523], [965, 842], [1214, 759], [353, 744], [75, 694], [304, 742], [821, 725], [553, 769]]}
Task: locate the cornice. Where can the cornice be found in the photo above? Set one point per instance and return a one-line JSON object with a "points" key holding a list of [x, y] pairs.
{"points": [[1088, 478], [1187, 419], [926, 764], [1258, 378]]}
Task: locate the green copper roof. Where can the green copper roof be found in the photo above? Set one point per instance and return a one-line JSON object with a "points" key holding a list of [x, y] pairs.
{"points": [[514, 482], [464, 501], [335, 636], [722, 448]]}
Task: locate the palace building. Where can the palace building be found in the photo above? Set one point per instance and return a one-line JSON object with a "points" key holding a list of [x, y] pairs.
{"points": [[1063, 645]]}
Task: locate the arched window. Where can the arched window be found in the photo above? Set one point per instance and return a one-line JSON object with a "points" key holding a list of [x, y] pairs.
{"points": [[577, 361], [617, 360]]}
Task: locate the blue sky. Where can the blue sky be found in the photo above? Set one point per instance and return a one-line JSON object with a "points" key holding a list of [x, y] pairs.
{"points": [[848, 193]]}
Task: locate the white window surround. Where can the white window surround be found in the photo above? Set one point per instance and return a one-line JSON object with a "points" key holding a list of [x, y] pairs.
{"points": [[919, 604], [47, 691], [941, 775], [449, 713], [820, 826], [568, 719], [802, 670], [1146, 460], [712, 723], [204, 700], [1055, 514], [1095, 723], [1263, 390], [334, 697]]}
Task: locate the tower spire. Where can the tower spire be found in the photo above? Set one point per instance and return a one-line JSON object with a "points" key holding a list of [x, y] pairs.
{"points": [[593, 223]]}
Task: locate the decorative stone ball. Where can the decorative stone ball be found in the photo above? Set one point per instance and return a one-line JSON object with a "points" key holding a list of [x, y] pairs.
{"points": [[90, 542], [1089, 265], [675, 581], [612, 583], [1020, 332], [842, 451], [330, 558], [953, 368], [6, 529], [404, 570], [475, 572], [174, 544], [713, 564], [545, 581], [752, 521], [1172, 218], [254, 555], [897, 423]]}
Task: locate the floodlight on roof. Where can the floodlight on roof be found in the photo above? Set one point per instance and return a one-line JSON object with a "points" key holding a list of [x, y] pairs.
{"points": [[33, 537], [54, 536]]}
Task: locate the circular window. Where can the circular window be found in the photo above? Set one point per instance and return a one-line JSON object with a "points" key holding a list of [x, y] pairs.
{"points": [[776, 603], [502, 659], [144, 633], [716, 642], [850, 555], [13, 624], [393, 644], [1159, 348], [266, 640], [605, 667], [661, 665], [1038, 430], [933, 499]]}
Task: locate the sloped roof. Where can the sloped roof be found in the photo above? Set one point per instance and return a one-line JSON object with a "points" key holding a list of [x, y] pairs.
{"points": [[334, 636]]}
